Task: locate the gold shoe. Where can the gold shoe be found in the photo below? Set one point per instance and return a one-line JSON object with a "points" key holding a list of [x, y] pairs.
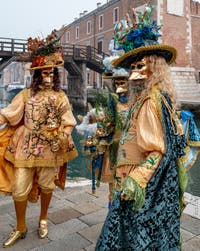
{"points": [[43, 229], [15, 235]]}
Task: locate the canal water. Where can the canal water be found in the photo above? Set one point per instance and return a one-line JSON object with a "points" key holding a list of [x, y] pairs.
{"points": [[78, 167]]}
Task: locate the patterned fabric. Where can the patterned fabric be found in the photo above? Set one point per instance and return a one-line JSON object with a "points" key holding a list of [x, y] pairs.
{"points": [[43, 139], [156, 226]]}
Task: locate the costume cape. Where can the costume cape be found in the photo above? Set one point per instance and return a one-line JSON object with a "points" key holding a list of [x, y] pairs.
{"points": [[156, 226]]}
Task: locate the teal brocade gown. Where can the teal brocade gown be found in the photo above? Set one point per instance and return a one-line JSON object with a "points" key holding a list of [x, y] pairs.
{"points": [[156, 226]]}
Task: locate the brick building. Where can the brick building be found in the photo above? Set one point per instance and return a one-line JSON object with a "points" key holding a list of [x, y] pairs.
{"points": [[181, 29]]}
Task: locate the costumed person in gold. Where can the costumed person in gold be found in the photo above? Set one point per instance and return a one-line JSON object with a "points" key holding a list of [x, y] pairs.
{"points": [[40, 148], [150, 176]]}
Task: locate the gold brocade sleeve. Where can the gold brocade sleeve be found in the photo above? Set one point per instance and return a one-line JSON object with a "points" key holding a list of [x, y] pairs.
{"points": [[150, 139], [14, 112], [150, 135], [68, 120]]}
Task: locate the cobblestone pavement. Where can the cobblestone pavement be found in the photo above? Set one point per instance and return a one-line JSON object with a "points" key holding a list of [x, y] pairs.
{"points": [[75, 220]]}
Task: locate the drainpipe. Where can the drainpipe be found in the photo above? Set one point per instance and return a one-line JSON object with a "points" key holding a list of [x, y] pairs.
{"points": [[94, 35]]}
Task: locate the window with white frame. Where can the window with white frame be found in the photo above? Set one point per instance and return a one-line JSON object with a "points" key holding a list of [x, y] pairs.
{"points": [[67, 36], [100, 22], [88, 27], [77, 32], [175, 7], [115, 15]]}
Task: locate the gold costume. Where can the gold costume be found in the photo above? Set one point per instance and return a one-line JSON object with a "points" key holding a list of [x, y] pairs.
{"points": [[141, 145], [6, 168], [47, 122]]}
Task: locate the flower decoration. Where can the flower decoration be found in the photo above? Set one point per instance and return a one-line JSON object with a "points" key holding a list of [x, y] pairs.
{"points": [[45, 53], [43, 47]]}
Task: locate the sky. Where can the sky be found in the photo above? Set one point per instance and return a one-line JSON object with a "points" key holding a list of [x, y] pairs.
{"points": [[37, 18], [22, 19]]}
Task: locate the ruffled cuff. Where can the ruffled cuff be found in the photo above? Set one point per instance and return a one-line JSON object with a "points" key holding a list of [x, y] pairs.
{"points": [[3, 120], [132, 191]]}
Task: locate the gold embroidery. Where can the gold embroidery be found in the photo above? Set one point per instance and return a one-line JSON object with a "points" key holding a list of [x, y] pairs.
{"points": [[139, 178], [151, 162]]}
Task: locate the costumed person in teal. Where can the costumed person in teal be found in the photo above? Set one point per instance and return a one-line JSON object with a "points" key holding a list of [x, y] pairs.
{"points": [[36, 143], [99, 126], [150, 177], [119, 87]]}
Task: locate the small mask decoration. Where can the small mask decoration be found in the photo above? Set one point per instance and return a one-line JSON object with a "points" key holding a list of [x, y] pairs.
{"points": [[121, 86], [138, 70], [121, 89], [100, 132]]}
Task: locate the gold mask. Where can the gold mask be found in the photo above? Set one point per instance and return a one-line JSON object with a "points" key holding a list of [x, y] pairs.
{"points": [[47, 75], [138, 70]]}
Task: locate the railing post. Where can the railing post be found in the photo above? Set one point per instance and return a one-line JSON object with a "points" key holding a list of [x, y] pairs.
{"points": [[24, 47], [73, 50], [89, 52], [12, 46]]}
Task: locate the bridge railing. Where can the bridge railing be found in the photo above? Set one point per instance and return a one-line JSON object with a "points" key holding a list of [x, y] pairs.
{"points": [[82, 52], [13, 45], [11, 48]]}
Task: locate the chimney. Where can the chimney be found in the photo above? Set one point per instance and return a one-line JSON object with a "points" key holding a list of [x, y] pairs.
{"points": [[98, 4], [85, 12]]}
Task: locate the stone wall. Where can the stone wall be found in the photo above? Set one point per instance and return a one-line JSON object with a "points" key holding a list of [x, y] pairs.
{"points": [[188, 90]]}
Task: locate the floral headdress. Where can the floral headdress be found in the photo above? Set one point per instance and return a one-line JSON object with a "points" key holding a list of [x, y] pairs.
{"points": [[45, 53], [139, 37]]}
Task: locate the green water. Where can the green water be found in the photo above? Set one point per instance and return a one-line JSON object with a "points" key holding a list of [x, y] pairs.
{"points": [[78, 167], [194, 178]]}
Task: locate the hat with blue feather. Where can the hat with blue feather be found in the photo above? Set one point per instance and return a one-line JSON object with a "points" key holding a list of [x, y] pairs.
{"points": [[139, 37]]}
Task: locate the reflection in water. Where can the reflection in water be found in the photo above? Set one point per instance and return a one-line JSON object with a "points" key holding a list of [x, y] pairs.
{"points": [[78, 167], [194, 178]]}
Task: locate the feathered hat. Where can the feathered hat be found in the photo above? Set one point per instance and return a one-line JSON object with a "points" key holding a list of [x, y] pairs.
{"points": [[45, 53], [139, 38]]}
